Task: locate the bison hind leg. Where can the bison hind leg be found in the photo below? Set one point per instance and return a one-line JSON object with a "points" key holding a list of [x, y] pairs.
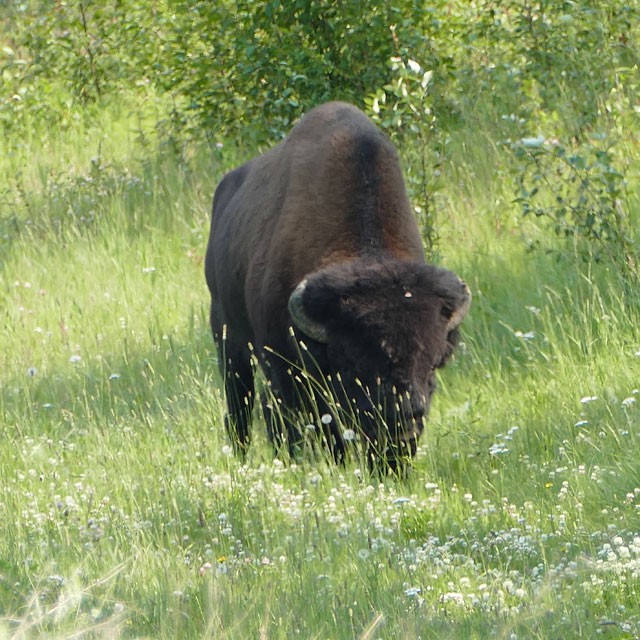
{"points": [[237, 371]]}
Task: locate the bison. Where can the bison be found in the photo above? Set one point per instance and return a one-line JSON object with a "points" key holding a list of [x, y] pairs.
{"points": [[315, 265]]}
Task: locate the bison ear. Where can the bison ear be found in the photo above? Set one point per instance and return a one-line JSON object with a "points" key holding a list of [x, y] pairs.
{"points": [[456, 296]]}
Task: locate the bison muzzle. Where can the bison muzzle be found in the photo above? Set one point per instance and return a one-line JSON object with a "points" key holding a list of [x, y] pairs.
{"points": [[315, 264]]}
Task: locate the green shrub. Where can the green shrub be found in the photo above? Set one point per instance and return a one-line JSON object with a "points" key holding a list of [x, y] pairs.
{"points": [[581, 191]]}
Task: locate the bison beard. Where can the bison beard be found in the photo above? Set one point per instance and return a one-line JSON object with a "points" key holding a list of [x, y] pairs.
{"points": [[318, 234]]}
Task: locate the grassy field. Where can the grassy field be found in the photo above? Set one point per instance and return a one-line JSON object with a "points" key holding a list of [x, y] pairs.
{"points": [[123, 512]]}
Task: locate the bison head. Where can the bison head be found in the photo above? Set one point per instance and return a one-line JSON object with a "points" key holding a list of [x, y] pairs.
{"points": [[379, 330]]}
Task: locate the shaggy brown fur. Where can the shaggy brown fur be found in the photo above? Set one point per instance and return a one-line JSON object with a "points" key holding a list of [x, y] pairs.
{"points": [[328, 204]]}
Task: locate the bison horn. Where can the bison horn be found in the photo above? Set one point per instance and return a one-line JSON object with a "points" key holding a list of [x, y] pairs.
{"points": [[301, 320], [462, 309]]}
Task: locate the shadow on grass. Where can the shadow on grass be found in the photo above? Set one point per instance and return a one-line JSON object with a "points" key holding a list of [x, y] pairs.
{"points": [[165, 382], [518, 297]]}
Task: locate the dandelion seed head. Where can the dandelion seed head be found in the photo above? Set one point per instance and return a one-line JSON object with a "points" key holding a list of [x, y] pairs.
{"points": [[453, 596], [326, 418]]}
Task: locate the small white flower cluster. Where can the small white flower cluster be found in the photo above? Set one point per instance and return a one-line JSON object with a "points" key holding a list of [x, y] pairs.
{"points": [[498, 448]]}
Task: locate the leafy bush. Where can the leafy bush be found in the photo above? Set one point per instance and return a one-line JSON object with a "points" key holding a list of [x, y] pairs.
{"points": [[62, 54], [546, 55], [581, 191], [236, 62], [245, 71], [226, 64], [403, 107]]}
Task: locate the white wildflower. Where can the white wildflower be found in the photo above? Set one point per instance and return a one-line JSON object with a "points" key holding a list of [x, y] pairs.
{"points": [[453, 596], [498, 448]]}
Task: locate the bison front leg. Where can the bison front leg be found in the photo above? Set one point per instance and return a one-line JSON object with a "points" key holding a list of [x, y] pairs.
{"points": [[283, 423], [397, 458], [280, 404]]}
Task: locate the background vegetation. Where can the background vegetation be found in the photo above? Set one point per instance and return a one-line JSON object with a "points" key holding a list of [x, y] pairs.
{"points": [[124, 513]]}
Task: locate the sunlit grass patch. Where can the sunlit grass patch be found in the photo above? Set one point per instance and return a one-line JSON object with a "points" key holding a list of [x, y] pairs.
{"points": [[126, 513]]}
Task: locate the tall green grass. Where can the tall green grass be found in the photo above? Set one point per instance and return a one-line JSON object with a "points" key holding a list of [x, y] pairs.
{"points": [[124, 513]]}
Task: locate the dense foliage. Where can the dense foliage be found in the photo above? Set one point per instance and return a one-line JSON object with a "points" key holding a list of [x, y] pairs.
{"points": [[225, 63], [565, 71]]}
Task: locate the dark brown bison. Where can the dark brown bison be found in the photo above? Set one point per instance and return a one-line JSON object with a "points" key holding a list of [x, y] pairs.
{"points": [[315, 264]]}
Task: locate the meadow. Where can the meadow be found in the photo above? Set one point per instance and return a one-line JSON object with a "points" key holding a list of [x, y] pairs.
{"points": [[125, 514]]}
